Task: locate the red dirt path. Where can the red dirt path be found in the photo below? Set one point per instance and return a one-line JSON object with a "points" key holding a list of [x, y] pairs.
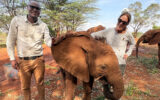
{"points": [[10, 90]]}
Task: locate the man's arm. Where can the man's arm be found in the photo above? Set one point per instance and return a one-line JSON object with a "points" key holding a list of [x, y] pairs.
{"points": [[99, 34], [131, 44], [47, 37], [11, 42]]}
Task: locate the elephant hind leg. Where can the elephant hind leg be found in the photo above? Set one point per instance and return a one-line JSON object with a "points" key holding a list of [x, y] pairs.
{"points": [[88, 89], [70, 84], [63, 76]]}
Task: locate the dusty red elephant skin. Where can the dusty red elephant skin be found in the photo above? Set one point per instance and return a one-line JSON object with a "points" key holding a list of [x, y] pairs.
{"points": [[80, 56], [151, 37]]}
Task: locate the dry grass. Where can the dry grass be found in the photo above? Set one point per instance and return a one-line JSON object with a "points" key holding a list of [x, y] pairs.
{"points": [[3, 37]]}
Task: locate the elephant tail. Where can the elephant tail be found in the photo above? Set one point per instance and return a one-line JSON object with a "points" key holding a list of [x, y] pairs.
{"points": [[137, 45]]}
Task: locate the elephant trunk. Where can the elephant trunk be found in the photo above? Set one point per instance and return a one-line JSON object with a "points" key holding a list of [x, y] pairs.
{"points": [[137, 45], [115, 82]]}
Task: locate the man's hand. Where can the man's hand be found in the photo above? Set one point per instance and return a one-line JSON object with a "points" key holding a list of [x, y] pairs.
{"points": [[53, 41], [14, 64], [125, 56], [57, 39]]}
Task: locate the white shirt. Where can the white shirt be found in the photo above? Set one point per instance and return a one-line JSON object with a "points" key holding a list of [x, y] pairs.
{"points": [[27, 37], [118, 42]]}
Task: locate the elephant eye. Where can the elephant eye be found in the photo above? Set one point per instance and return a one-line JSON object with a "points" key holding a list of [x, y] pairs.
{"points": [[103, 67]]}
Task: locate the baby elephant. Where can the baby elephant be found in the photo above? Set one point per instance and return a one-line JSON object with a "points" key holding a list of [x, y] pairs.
{"points": [[84, 58]]}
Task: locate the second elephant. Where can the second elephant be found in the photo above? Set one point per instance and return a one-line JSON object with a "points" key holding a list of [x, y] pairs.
{"points": [[151, 37]]}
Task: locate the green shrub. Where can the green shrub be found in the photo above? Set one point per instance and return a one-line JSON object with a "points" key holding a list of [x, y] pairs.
{"points": [[149, 63], [131, 89]]}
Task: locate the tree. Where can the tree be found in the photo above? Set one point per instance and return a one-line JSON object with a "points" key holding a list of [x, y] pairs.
{"points": [[67, 15], [4, 22], [60, 15], [78, 12], [9, 9], [143, 18]]}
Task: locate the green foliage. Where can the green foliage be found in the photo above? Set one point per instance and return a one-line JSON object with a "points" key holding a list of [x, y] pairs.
{"points": [[156, 27], [149, 63], [139, 34], [5, 21], [143, 18], [65, 15], [51, 31], [132, 90], [153, 71], [47, 82], [100, 98], [60, 15], [9, 9]]}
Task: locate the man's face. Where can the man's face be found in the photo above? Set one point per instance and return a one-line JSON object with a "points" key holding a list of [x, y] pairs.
{"points": [[34, 9], [122, 23]]}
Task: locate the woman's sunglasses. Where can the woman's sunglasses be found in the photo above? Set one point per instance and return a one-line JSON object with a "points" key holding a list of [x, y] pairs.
{"points": [[123, 22]]}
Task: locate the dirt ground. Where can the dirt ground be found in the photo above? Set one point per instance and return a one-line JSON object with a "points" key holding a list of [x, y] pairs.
{"points": [[139, 83]]}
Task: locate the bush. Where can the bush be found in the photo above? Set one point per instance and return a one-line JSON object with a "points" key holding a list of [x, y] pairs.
{"points": [[131, 89], [149, 63]]}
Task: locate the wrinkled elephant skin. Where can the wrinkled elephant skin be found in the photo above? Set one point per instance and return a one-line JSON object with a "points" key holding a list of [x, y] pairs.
{"points": [[84, 58]]}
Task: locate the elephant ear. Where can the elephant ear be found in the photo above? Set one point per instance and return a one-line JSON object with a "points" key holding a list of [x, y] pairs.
{"points": [[155, 38], [72, 60]]}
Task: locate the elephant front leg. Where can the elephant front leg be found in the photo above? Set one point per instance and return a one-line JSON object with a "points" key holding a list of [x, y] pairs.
{"points": [[88, 89], [70, 84]]}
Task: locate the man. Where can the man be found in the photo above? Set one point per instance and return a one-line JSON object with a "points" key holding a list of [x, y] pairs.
{"points": [[119, 39], [27, 32]]}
